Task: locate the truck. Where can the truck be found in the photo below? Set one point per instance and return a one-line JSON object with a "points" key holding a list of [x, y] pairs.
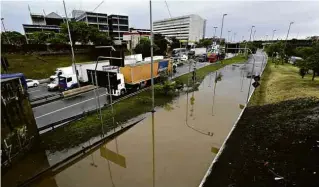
{"points": [[16, 75], [68, 71], [131, 77], [199, 51], [66, 82]]}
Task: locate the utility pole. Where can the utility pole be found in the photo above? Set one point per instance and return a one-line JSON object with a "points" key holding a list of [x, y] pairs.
{"points": [[73, 57], [235, 37], [221, 29], [4, 28]]}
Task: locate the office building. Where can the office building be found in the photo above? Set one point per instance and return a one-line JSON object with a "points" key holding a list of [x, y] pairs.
{"points": [[115, 25], [99, 20], [118, 24], [43, 23], [134, 36], [189, 27]]}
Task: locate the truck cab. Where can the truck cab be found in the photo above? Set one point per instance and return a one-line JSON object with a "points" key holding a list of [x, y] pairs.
{"points": [[67, 82]]}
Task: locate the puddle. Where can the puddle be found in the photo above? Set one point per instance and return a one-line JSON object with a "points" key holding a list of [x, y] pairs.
{"points": [[188, 133]]}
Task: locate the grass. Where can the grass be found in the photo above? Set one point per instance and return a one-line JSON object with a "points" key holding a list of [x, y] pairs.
{"points": [[40, 67], [283, 83], [80, 131]]}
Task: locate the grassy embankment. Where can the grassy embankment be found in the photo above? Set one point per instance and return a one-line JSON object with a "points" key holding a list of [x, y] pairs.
{"points": [[40, 67], [275, 140], [283, 83], [80, 131]]}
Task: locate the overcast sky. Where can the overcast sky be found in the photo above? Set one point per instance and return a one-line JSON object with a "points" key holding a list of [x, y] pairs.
{"points": [[265, 15]]}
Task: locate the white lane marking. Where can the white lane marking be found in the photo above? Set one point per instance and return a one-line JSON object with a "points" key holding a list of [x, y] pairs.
{"points": [[67, 107], [34, 91]]}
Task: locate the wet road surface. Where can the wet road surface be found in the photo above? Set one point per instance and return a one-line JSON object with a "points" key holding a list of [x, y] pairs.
{"points": [[187, 135]]}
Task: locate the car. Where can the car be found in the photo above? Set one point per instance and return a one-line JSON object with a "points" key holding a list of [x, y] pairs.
{"points": [[32, 83]]}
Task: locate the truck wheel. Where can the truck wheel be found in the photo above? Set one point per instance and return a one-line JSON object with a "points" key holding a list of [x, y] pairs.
{"points": [[122, 92], [35, 84]]}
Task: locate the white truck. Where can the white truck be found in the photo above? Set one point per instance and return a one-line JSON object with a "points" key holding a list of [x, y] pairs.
{"points": [[199, 51], [68, 72], [60, 71]]}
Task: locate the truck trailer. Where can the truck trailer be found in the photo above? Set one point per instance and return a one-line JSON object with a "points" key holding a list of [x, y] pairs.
{"points": [[130, 78]]}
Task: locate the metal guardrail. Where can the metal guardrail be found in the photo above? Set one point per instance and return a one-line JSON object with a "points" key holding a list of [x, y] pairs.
{"points": [[44, 97], [66, 121]]}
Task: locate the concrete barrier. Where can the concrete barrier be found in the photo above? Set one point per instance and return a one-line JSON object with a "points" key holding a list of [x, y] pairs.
{"points": [[77, 91]]}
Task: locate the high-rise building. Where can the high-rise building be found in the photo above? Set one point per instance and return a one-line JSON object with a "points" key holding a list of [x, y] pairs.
{"points": [[118, 26], [189, 27]]}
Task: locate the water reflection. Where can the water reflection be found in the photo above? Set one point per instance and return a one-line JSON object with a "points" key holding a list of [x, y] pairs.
{"points": [[175, 148]]}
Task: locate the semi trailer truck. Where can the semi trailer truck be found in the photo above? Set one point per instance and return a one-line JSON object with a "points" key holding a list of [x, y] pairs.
{"points": [[130, 78]]}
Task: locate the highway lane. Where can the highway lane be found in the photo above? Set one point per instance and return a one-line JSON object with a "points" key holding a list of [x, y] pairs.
{"points": [[65, 108]]}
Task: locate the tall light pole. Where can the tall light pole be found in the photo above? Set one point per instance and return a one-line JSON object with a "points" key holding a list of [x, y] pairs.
{"points": [[73, 57], [4, 28], [221, 29], [273, 34], [266, 37], [235, 36], [228, 39], [254, 35], [215, 32], [283, 50], [251, 31]]}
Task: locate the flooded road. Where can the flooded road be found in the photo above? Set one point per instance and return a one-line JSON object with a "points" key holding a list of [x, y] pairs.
{"points": [[188, 133]]}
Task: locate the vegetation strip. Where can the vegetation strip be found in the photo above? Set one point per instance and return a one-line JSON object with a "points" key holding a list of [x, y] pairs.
{"points": [[82, 130]]}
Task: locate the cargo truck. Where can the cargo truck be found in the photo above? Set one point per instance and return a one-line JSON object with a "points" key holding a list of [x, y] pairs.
{"points": [[130, 78]]}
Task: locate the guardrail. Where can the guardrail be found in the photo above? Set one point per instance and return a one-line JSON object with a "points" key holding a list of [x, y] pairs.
{"points": [[66, 121], [77, 91], [44, 97]]}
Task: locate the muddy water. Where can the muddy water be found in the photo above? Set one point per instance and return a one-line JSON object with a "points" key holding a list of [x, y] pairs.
{"points": [[187, 134]]}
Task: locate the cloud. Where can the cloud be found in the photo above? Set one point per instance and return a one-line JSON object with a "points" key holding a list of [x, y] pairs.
{"points": [[266, 16]]}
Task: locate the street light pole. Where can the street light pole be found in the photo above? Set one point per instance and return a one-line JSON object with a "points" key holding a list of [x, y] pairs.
{"points": [[273, 34], [283, 50], [215, 32], [251, 31], [228, 39], [73, 57], [266, 37], [221, 29], [254, 35], [235, 37], [4, 28]]}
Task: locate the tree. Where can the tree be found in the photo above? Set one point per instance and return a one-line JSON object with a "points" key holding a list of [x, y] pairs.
{"points": [[58, 38], [311, 60], [162, 43], [144, 47], [40, 37], [99, 38], [80, 31], [204, 43], [174, 43], [15, 38]]}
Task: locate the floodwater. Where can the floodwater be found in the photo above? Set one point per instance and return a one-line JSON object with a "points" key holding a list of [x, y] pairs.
{"points": [[188, 133]]}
